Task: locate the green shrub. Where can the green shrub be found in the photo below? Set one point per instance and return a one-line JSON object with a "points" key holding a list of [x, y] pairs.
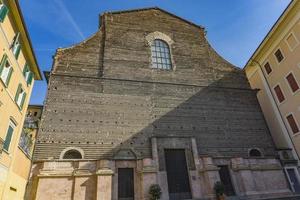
{"points": [[154, 192], [219, 188]]}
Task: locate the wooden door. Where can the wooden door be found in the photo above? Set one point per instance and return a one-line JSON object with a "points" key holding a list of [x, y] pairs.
{"points": [[177, 174], [125, 184]]}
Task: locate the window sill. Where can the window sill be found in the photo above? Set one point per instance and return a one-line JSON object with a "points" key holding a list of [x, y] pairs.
{"points": [[296, 134], [5, 151]]}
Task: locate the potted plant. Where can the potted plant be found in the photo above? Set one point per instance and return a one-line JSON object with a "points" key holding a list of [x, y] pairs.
{"points": [[219, 189], [154, 192]]}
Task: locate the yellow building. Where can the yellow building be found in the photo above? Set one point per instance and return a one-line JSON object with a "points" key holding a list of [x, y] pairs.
{"points": [[18, 70], [274, 69]]}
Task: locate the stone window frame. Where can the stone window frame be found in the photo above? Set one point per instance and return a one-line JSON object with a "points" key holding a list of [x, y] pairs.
{"points": [[277, 99], [289, 126], [164, 37], [297, 41], [258, 149], [267, 62], [61, 157], [288, 83], [288, 177], [276, 58]]}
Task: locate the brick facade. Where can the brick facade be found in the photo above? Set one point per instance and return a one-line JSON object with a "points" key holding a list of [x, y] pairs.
{"points": [[105, 99]]}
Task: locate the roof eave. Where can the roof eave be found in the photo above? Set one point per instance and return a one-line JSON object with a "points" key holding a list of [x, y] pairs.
{"points": [[270, 33], [19, 16]]}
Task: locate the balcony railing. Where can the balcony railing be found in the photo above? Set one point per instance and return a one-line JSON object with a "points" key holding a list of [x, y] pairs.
{"points": [[26, 142], [31, 123]]}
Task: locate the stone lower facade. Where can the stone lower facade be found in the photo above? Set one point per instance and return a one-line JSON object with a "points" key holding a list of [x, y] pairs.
{"points": [[98, 180]]}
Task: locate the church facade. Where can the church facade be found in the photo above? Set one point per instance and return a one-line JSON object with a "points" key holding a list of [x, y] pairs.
{"points": [[146, 100]]}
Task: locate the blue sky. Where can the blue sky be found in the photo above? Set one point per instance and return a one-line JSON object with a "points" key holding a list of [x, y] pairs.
{"points": [[234, 27]]}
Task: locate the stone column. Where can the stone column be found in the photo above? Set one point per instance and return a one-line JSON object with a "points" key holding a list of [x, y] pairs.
{"points": [[104, 184], [149, 176], [210, 175], [194, 176]]}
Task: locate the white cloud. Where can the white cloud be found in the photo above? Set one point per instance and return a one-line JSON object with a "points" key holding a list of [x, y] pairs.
{"points": [[54, 18], [69, 17]]}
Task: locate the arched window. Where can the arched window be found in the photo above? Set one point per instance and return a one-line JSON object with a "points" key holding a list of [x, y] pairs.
{"points": [[255, 153], [161, 57], [72, 154]]}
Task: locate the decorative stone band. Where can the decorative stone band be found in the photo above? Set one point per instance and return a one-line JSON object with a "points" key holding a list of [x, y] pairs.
{"points": [[149, 169], [209, 168], [104, 172], [261, 167], [82, 172]]}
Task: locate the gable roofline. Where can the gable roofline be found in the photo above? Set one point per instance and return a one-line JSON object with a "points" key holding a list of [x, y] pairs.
{"points": [[16, 11], [271, 31], [154, 8]]}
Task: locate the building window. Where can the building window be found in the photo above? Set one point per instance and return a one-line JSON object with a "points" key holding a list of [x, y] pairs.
{"points": [[292, 82], [26, 141], [279, 55], [9, 135], [3, 11], [28, 75], [279, 94], [16, 46], [292, 122], [161, 57], [20, 96], [292, 41], [6, 70], [255, 153], [72, 154], [268, 68]]}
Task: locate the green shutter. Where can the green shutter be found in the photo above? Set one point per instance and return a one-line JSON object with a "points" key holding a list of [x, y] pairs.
{"points": [[25, 69], [23, 100], [30, 76], [8, 138], [3, 61], [9, 76], [18, 92], [17, 52], [3, 12]]}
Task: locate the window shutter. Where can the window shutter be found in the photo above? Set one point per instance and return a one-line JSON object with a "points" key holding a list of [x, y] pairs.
{"points": [[292, 82], [18, 93], [8, 138], [292, 123], [18, 49], [279, 94], [3, 61], [9, 76], [268, 68], [30, 76], [3, 12], [25, 69], [23, 100]]}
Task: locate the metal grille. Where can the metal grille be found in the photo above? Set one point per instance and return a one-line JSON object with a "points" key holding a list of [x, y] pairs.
{"points": [[72, 154], [161, 58]]}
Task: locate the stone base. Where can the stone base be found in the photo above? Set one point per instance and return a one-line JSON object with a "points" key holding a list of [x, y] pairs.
{"points": [[252, 179]]}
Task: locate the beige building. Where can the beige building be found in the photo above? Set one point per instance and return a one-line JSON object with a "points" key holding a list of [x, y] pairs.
{"points": [[18, 70], [274, 69]]}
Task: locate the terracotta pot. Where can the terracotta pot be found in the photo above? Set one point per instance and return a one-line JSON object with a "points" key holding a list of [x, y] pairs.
{"points": [[221, 197]]}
